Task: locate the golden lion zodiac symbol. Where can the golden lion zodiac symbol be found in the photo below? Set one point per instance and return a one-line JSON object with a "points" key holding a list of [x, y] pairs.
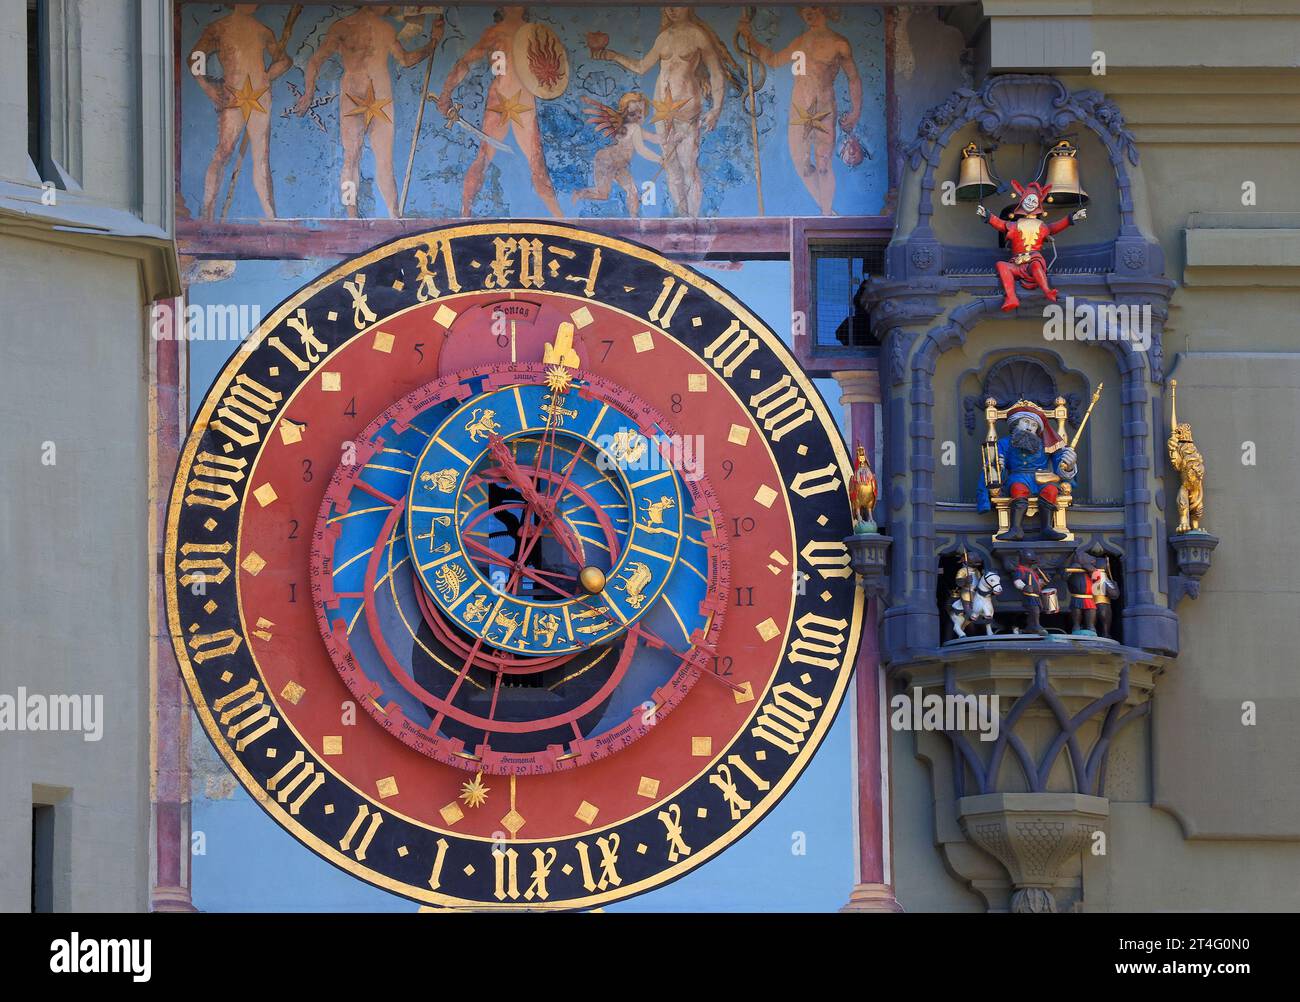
{"points": [[638, 576], [654, 514], [443, 480], [482, 426]]}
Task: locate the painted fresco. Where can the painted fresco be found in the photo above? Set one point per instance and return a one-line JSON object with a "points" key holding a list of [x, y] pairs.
{"points": [[329, 110]]}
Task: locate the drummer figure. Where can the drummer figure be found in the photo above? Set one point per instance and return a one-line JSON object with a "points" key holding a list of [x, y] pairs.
{"points": [[1039, 594]]}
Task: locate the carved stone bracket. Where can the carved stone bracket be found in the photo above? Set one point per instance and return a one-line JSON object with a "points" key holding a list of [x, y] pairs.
{"points": [[1033, 835], [1032, 792], [1194, 551]]}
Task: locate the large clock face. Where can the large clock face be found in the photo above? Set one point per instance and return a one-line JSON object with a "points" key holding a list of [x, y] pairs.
{"points": [[505, 567]]}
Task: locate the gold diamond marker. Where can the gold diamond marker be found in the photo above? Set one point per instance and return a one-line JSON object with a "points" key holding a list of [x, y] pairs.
{"points": [[512, 822], [697, 382], [265, 495], [643, 342], [387, 787], [586, 813], [581, 316], [648, 788], [768, 629], [451, 813], [290, 433], [253, 564], [765, 496], [383, 342], [332, 744], [444, 316], [739, 435], [701, 746], [331, 382], [293, 692]]}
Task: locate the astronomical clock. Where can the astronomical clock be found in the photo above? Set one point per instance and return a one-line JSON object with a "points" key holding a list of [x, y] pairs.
{"points": [[505, 567]]}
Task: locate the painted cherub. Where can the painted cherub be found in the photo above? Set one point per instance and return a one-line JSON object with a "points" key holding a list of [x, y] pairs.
{"points": [[613, 163]]}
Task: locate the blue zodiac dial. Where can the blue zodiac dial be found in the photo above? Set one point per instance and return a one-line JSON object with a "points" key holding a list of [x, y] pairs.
{"points": [[528, 528]]}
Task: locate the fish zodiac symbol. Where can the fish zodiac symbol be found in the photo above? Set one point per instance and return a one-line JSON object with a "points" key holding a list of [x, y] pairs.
{"points": [[443, 480], [638, 576], [482, 426], [654, 514], [448, 579]]}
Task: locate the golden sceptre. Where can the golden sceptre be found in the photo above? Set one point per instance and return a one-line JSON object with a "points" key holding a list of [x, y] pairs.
{"points": [[1173, 397], [1086, 414]]}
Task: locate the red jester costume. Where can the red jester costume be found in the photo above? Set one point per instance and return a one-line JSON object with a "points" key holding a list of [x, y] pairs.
{"points": [[1026, 231]]}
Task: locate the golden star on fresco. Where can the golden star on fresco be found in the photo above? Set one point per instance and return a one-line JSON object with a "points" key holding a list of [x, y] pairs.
{"points": [[510, 109], [247, 101], [370, 106], [667, 109], [810, 118], [474, 793]]}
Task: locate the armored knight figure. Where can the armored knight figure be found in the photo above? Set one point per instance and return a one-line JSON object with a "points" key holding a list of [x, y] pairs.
{"points": [[1026, 233], [1032, 462]]}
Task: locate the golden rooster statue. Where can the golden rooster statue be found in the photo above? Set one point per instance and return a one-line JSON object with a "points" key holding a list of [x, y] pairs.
{"points": [[862, 494]]}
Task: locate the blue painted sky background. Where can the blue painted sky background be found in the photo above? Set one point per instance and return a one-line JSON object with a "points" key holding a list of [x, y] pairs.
{"points": [[306, 157], [251, 864]]}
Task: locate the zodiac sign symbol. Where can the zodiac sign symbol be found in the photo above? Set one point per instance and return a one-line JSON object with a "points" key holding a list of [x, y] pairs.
{"points": [[654, 513], [545, 626], [477, 609], [448, 579], [482, 426], [638, 576], [507, 623], [443, 480], [627, 446], [438, 520]]}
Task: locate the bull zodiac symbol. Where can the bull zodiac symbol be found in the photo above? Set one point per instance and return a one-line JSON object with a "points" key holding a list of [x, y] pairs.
{"points": [[638, 576], [482, 426], [654, 514], [443, 480]]}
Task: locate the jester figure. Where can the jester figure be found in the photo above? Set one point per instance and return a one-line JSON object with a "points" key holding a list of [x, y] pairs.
{"points": [[1033, 462], [1026, 231]]}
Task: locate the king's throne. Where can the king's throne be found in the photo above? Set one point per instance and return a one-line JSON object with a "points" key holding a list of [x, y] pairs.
{"points": [[995, 475]]}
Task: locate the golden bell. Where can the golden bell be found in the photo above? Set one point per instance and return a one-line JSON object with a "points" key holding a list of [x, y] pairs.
{"points": [[973, 180], [1063, 175]]}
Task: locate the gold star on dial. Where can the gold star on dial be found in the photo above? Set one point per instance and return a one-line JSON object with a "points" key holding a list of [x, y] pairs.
{"points": [[510, 109], [370, 106], [667, 109], [248, 101], [810, 118], [474, 793]]}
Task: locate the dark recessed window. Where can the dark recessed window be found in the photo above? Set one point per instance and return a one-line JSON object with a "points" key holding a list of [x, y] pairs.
{"points": [[42, 858], [37, 76], [838, 273]]}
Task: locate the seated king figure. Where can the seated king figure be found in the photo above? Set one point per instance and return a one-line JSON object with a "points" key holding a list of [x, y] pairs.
{"points": [[1030, 470]]}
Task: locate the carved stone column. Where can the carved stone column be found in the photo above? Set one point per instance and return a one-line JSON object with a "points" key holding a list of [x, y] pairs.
{"points": [[874, 891]]}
